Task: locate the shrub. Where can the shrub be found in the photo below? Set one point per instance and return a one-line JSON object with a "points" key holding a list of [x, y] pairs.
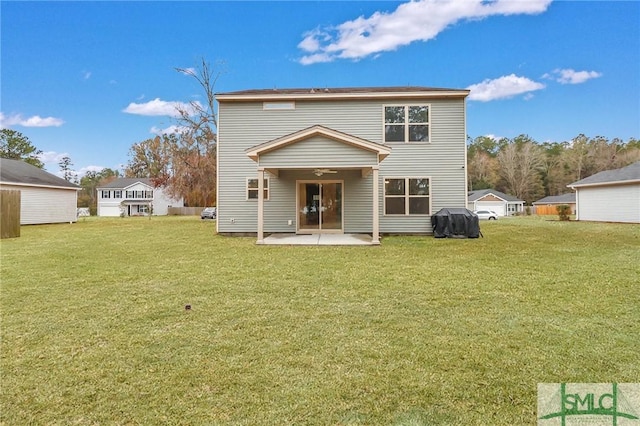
{"points": [[564, 210]]}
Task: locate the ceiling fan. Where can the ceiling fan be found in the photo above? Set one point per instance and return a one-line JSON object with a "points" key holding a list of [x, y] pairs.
{"points": [[320, 172]]}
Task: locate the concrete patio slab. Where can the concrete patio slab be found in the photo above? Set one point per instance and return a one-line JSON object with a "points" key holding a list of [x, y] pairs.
{"points": [[319, 239]]}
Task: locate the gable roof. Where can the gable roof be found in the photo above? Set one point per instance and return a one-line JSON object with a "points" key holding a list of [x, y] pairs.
{"points": [[341, 93], [480, 193], [628, 174], [255, 151], [122, 183], [18, 172], [568, 198]]}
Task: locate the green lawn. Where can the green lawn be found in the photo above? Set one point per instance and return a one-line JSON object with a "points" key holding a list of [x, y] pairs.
{"points": [[417, 331]]}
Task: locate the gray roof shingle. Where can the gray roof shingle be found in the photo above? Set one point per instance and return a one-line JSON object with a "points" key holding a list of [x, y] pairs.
{"points": [[337, 90], [624, 174], [479, 193], [19, 172], [122, 183], [569, 197]]}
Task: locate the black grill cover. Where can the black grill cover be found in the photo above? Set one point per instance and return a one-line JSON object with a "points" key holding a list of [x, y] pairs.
{"points": [[455, 223]]}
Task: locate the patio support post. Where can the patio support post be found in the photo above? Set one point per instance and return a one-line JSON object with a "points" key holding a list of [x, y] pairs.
{"points": [[375, 237], [260, 205]]}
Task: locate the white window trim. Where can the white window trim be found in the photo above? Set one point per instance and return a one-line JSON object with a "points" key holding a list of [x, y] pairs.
{"points": [[267, 189], [406, 123], [278, 105], [406, 196]]}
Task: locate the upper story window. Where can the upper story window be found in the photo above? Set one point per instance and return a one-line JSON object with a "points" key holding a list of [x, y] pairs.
{"points": [[105, 194], [406, 123], [117, 193], [276, 106], [139, 194]]}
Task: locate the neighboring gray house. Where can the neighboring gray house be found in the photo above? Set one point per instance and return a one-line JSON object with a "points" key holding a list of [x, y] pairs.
{"points": [[609, 196], [44, 197], [548, 205], [499, 202], [133, 197], [347, 160]]}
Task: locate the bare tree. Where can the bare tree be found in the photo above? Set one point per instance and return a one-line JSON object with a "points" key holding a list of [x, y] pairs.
{"points": [[520, 164], [194, 156]]}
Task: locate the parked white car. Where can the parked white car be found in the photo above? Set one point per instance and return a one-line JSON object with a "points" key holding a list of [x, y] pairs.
{"points": [[486, 214]]}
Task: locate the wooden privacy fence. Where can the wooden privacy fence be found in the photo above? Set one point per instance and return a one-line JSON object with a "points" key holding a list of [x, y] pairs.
{"points": [[551, 209], [10, 213], [184, 211]]}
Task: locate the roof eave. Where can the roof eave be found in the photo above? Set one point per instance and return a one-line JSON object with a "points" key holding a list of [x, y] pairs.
{"points": [[341, 96], [38, 185], [617, 182]]}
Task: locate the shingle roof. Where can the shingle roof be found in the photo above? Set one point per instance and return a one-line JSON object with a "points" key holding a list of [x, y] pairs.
{"points": [[569, 197], [477, 194], [341, 93], [126, 182], [311, 90], [19, 172], [629, 173]]}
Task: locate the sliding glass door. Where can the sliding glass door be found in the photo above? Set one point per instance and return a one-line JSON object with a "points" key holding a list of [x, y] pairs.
{"points": [[319, 206]]}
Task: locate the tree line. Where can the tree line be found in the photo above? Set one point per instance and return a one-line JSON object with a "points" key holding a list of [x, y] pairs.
{"points": [[531, 170]]}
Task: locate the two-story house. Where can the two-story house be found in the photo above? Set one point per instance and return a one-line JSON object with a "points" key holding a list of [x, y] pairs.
{"points": [[134, 197], [339, 160]]}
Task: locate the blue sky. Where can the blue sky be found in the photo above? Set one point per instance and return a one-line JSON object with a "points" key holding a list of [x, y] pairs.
{"points": [[90, 79]]}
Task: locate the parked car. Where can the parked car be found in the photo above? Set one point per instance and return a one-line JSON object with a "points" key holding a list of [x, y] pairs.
{"points": [[208, 213], [486, 214]]}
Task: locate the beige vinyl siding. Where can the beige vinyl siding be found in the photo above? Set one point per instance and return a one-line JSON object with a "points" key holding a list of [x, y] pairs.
{"points": [[442, 160], [243, 125], [318, 152], [246, 124], [40, 205]]}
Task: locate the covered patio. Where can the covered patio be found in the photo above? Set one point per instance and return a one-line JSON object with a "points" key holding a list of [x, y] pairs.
{"points": [[315, 152]]}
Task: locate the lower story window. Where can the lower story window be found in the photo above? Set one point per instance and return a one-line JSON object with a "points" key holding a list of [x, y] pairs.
{"points": [[407, 196], [252, 189]]}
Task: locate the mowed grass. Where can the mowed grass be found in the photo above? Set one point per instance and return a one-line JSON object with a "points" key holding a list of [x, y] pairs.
{"points": [[417, 331]]}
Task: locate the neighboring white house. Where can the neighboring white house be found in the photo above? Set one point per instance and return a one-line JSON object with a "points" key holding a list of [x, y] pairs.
{"points": [[609, 196], [133, 197], [499, 202], [374, 160], [44, 197]]}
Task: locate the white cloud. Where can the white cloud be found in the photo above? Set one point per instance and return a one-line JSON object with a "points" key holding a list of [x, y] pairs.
{"points": [[413, 21], [52, 156], [159, 107], [569, 76], [34, 121], [86, 75], [503, 88], [167, 131]]}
